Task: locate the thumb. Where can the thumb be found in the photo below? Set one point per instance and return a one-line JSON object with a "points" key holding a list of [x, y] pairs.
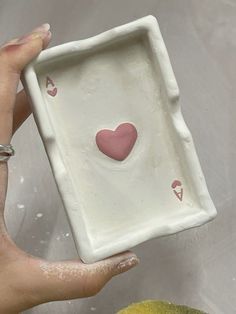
{"points": [[14, 56], [51, 281]]}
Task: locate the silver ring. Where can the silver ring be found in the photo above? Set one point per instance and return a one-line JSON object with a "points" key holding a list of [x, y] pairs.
{"points": [[6, 151]]}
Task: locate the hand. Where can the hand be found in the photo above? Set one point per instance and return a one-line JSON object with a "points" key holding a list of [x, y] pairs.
{"points": [[25, 280]]}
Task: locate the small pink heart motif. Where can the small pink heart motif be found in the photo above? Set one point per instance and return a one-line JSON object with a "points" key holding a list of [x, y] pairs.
{"points": [[52, 92], [175, 184], [119, 143]]}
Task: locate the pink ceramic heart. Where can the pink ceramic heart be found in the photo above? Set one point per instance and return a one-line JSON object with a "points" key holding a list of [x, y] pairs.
{"points": [[175, 184], [119, 143]]}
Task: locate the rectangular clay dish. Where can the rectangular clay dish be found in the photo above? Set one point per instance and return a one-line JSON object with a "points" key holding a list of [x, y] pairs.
{"points": [[120, 76]]}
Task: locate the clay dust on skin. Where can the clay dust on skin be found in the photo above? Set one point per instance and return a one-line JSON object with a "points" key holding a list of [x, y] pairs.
{"points": [[68, 271]]}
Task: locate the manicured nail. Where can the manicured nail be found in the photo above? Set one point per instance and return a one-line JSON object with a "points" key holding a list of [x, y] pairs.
{"points": [[49, 35], [42, 28], [127, 264], [42, 31]]}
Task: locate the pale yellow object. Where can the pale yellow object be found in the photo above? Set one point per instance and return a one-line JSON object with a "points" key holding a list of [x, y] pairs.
{"points": [[158, 307]]}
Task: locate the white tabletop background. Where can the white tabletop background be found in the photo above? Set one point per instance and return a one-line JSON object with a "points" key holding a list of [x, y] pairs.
{"points": [[196, 267]]}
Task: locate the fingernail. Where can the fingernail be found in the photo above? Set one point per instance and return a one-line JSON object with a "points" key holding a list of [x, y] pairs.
{"points": [[42, 31], [42, 28], [49, 35], [127, 264]]}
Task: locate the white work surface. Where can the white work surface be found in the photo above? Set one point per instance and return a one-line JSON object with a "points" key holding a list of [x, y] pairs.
{"points": [[196, 267]]}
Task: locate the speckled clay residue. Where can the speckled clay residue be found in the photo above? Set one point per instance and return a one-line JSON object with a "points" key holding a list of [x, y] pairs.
{"points": [[92, 308], [20, 206], [68, 270], [126, 263]]}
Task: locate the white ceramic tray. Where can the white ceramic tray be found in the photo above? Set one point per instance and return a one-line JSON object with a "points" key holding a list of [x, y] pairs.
{"points": [[123, 159]]}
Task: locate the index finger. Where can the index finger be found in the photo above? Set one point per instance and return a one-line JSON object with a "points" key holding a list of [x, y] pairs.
{"points": [[14, 56]]}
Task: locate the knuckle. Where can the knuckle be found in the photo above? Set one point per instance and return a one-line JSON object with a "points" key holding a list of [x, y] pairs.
{"points": [[3, 52], [6, 59]]}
